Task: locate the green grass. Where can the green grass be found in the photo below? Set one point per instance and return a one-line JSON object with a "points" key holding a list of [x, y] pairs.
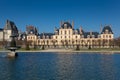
{"points": [[100, 49], [31, 49]]}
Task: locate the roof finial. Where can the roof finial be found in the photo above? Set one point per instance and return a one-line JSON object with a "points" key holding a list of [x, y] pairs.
{"points": [[61, 24], [55, 28], [72, 24], [101, 28], [69, 21], [110, 25]]}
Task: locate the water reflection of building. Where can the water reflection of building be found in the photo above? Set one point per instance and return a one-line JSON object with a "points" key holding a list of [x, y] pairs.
{"points": [[106, 67], [65, 67]]}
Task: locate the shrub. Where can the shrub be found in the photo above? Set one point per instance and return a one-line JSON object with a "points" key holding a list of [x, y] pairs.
{"points": [[43, 47], [27, 47]]}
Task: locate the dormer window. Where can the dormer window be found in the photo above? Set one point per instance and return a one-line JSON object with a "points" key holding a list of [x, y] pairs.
{"points": [[31, 32], [39, 37], [76, 32], [51, 37], [88, 36], [56, 32], [65, 25], [93, 36], [106, 31], [82, 36], [99, 36], [43, 37], [47, 37]]}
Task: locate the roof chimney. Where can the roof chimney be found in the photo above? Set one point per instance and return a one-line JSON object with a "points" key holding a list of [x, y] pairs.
{"points": [[55, 28], [81, 30], [90, 33], [61, 24]]}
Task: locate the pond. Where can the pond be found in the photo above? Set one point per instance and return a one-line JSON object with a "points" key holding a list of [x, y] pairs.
{"points": [[60, 66]]}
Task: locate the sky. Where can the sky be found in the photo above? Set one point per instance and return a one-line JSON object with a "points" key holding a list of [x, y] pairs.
{"points": [[47, 14]]}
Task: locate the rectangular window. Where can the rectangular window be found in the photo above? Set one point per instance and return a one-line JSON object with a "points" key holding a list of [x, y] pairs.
{"points": [[69, 40], [76, 36], [110, 36], [69, 36], [99, 36], [65, 32], [103, 36], [65, 37], [106, 36]]}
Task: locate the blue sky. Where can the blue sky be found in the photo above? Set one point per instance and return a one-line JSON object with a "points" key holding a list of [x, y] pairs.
{"points": [[46, 14]]}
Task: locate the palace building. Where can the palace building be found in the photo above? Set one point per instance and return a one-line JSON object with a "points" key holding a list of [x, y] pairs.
{"points": [[9, 29], [67, 36]]}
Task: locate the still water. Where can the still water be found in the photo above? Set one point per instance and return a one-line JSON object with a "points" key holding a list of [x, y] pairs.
{"points": [[57, 66]]}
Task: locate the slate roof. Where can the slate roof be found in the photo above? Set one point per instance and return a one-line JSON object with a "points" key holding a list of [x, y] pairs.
{"points": [[22, 36], [11, 26], [89, 33], [45, 34], [1, 29], [68, 25], [107, 28], [76, 31], [31, 29]]}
